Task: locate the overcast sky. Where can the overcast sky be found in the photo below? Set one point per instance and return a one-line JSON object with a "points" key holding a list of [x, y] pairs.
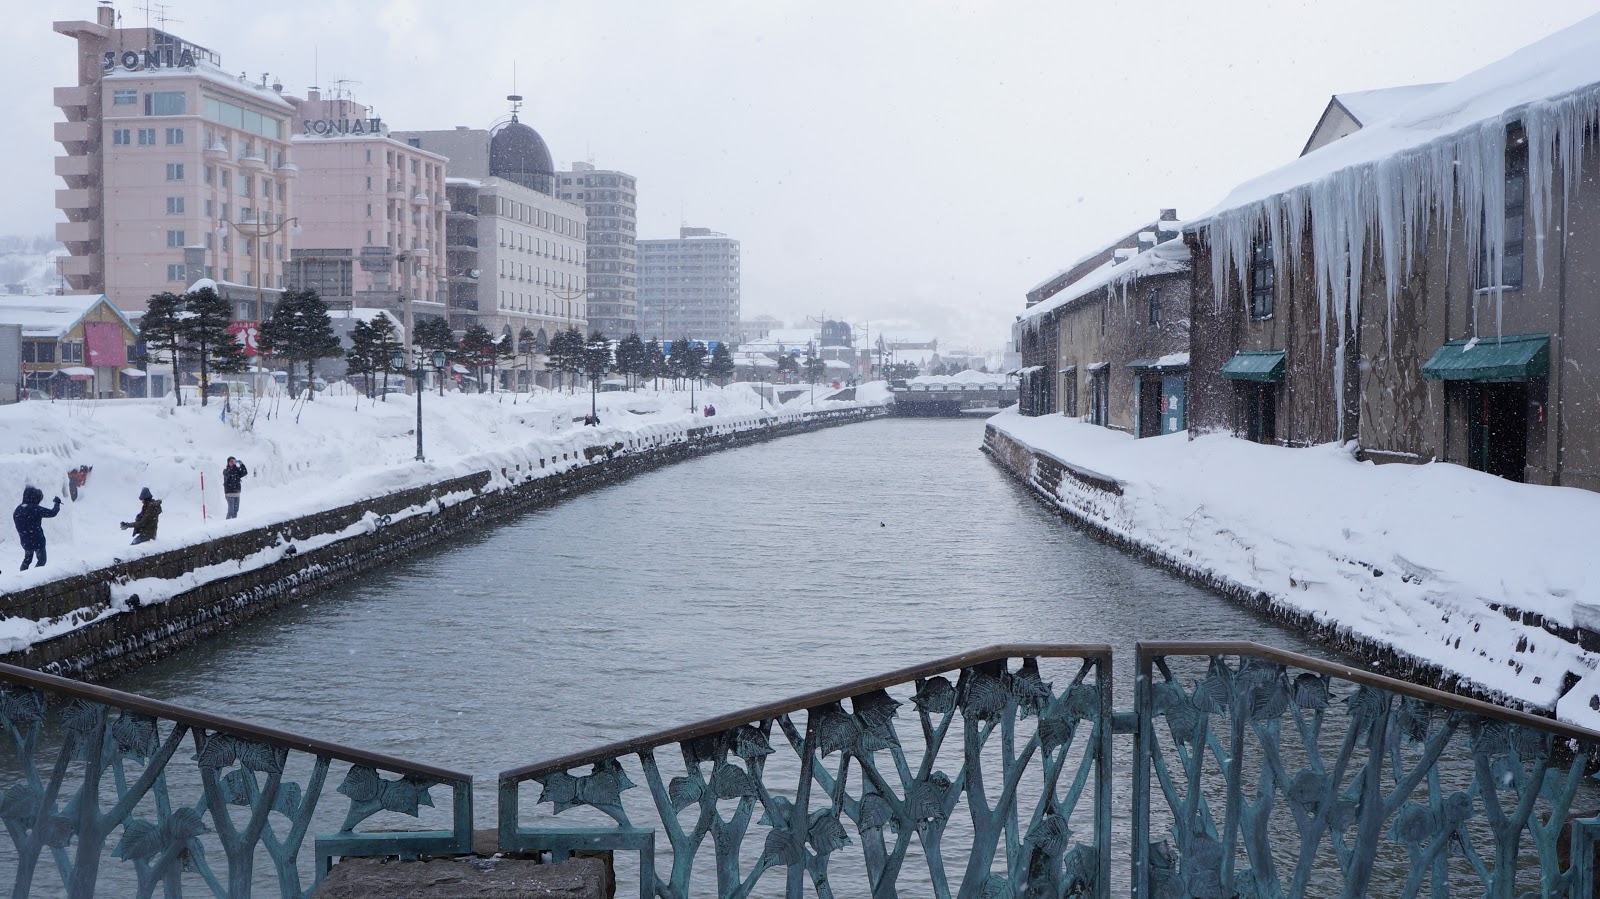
{"points": [[918, 161]]}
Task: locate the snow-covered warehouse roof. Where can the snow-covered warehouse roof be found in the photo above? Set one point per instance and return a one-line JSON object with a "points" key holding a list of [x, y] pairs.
{"points": [[1169, 257], [1371, 106], [1121, 241], [51, 316]]}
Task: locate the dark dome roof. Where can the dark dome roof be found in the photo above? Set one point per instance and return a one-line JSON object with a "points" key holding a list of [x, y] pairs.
{"points": [[517, 153]]}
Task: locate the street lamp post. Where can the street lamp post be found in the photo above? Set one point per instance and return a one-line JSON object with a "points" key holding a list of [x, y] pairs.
{"points": [[398, 361], [257, 232]]}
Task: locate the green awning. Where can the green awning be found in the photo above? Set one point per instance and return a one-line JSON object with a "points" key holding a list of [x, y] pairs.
{"points": [[1254, 366], [1491, 359]]}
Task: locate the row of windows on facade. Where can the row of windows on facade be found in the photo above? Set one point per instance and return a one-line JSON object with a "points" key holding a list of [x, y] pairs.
{"points": [[45, 351], [175, 103], [516, 240], [539, 218], [535, 304], [595, 209], [215, 109], [599, 181], [178, 273], [517, 271]]}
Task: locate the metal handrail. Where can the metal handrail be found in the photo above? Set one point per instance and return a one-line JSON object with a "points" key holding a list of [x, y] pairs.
{"points": [[195, 718], [1151, 649], [811, 700]]}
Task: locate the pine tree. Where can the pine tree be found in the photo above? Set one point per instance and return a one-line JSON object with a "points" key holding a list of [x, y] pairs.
{"points": [[505, 350], [653, 364], [787, 364], [527, 345], [362, 358], [385, 346], [631, 357], [301, 331], [205, 334], [596, 356], [566, 353], [814, 366], [721, 367], [477, 345], [161, 330]]}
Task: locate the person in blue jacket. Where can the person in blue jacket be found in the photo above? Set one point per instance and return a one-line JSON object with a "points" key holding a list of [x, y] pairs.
{"points": [[27, 518]]}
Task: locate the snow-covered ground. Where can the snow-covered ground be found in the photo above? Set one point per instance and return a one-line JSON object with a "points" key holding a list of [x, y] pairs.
{"points": [[303, 457], [1408, 556]]}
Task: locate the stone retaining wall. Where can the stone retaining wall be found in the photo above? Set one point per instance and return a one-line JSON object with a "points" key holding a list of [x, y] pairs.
{"points": [[122, 642], [1093, 502]]}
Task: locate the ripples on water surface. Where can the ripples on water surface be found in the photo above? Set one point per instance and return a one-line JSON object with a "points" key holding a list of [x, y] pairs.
{"points": [[701, 588]]}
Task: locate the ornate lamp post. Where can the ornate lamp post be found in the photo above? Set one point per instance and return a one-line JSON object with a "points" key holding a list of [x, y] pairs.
{"points": [[399, 362]]}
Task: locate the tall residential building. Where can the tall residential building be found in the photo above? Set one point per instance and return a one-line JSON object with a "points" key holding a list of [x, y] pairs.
{"points": [[689, 286], [169, 158], [514, 252], [371, 211], [612, 205]]}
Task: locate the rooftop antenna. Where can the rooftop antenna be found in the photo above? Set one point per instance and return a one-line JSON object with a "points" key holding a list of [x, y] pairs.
{"points": [[514, 97], [161, 16]]}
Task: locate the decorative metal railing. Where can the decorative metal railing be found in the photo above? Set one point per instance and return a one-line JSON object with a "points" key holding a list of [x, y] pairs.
{"points": [[1256, 773], [106, 793], [1263, 773], [1000, 788]]}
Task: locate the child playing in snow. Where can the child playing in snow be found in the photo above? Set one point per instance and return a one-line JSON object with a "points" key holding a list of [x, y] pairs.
{"points": [[28, 517]]}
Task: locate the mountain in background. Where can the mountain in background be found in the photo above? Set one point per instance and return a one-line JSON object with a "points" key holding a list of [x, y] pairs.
{"points": [[28, 264]]}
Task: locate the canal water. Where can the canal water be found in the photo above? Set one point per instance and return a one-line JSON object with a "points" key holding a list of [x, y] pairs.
{"points": [[702, 588]]}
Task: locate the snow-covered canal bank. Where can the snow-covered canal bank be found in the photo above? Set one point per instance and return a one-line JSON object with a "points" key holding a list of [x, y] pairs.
{"points": [[704, 587]]}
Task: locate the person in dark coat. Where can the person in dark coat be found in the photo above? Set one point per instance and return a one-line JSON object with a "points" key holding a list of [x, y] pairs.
{"points": [[232, 474], [30, 531], [144, 525]]}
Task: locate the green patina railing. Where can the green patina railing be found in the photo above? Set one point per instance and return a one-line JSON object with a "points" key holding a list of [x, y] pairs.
{"points": [[106, 793], [1255, 773], [1000, 773]]}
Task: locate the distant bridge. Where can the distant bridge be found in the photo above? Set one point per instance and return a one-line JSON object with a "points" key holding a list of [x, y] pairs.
{"points": [[912, 398]]}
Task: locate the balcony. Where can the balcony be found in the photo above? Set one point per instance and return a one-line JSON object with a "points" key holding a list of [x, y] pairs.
{"points": [[79, 266], [74, 101], [77, 232], [287, 170], [218, 150], [77, 199], [253, 163], [75, 134], [460, 242], [79, 171], [463, 211]]}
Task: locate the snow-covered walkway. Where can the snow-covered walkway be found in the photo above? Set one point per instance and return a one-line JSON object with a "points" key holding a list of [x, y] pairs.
{"points": [[302, 458], [1409, 556]]}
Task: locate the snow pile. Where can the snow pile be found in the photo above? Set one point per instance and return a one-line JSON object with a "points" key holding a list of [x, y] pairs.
{"points": [[306, 457], [1375, 193], [1408, 556]]}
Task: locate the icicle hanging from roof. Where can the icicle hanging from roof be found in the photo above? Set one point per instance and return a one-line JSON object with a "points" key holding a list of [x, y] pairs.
{"points": [[1382, 209]]}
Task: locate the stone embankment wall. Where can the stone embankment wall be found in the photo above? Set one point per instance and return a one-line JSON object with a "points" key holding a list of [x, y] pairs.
{"points": [[1093, 502], [114, 631]]}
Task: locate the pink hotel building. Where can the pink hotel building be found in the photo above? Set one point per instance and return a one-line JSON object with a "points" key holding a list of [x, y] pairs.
{"points": [[177, 170]]}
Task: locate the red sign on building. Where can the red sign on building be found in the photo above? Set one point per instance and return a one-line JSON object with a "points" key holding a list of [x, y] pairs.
{"points": [[245, 333]]}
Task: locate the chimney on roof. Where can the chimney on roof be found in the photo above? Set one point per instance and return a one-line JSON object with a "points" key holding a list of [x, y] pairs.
{"points": [[463, 128], [1169, 215], [1122, 254], [106, 15], [313, 93], [1147, 240]]}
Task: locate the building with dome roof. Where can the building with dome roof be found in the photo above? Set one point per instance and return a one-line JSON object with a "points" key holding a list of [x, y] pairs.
{"points": [[515, 253]]}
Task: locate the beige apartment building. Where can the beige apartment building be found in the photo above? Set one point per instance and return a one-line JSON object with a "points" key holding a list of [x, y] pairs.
{"points": [[515, 252], [174, 168], [371, 211]]}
